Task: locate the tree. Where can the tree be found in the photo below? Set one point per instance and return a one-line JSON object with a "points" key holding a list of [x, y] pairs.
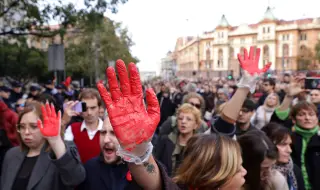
{"points": [[19, 61], [113, 43], [32, 17]]}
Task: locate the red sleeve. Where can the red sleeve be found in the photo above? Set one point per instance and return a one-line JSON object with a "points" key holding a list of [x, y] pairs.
{"points": [[10, 128]]}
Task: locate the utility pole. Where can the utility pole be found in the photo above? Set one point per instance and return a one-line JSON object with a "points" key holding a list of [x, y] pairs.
{"points": [[96, 55], [198, 53]]}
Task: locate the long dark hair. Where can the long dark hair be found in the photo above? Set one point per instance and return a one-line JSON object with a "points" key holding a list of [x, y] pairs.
{"points": [[276, 132], [256, 146]]}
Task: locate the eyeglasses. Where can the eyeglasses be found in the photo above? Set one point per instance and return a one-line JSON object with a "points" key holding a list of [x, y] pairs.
{"points": [[195, 105], [32, 127], [20, 105]]}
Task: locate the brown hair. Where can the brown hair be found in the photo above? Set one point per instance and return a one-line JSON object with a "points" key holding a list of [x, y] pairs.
{"points": [[276, 133], [90, 93], [303, 105], [210, 162], [36, 108], [190, 95]]}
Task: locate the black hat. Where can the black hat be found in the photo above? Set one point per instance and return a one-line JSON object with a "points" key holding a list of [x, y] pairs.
{"points": [[16, 84], [48, 82], [249, 104], [5, 89], [34, 88], [60, 86]]}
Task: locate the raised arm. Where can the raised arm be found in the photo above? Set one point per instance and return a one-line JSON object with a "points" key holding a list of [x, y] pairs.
{"points": [[133, 124], [250, 66]]}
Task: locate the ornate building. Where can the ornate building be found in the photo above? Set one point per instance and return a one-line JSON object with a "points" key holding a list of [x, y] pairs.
{"points": [[289, 45]]}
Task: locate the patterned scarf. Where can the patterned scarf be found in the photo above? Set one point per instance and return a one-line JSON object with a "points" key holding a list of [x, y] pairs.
{"points": [[287, 171]]}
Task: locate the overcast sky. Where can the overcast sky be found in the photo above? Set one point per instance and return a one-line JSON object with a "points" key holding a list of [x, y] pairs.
{"points": [[156, 24]]}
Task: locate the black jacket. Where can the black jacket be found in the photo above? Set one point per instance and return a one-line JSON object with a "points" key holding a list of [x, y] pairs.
{"points": [[312, 156], [101, 176]]}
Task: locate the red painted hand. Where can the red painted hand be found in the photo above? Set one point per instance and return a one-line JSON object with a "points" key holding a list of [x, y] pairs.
{"points": [[251, 63], [51, 121], [132, 123]]}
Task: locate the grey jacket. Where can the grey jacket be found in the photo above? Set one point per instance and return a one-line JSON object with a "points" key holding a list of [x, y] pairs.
{"points": [[48, 173]]}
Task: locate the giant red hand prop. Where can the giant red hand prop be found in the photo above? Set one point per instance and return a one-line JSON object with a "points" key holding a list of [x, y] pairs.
{"points": [[251, 63], [131, 122], [51, 121]]}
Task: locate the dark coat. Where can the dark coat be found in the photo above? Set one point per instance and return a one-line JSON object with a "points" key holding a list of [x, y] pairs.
{"points": [[8, 122], [48, 173], [312, 157], [101, 176]]}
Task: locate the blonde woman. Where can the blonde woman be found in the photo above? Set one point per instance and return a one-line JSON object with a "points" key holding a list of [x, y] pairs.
{"points": [[263, 114], [170, 147], [211, 162]]}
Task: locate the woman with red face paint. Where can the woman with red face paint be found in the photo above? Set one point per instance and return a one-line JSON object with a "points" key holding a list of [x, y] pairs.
{"points": [[43, 160]]}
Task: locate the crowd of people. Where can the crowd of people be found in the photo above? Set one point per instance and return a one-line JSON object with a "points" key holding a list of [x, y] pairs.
{"points": [[255, 133]]}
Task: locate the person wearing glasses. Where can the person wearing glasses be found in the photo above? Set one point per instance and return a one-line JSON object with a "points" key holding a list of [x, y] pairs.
{"points": [[20, 105], [42, 161], [169, 148]]}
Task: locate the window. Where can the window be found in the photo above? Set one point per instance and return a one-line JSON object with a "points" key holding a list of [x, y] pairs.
{"points": [[231, 53], [220, 58], [242, 40], [254, 40], [33, 43], [265, 55], [303, 37], [221, 34], [43, 44], [288, 36], [268, 29], [285, 50], [283, 37], [264, 30]]}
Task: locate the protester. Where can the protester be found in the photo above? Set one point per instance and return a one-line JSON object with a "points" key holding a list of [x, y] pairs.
{"points": [[268, 88], [8, 122], [43, 160], [280, 136], [263, 114], [134, 127], [16, 92], [19, 106], [169, 148], [5, 96], [259, 155], [86, 134]]}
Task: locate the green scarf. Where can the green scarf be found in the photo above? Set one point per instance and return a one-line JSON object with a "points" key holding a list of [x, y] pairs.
{"points": [[306, 136]]}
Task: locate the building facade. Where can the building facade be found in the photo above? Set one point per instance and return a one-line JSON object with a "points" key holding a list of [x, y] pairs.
{"points": [[289, 45], [168, 66]]}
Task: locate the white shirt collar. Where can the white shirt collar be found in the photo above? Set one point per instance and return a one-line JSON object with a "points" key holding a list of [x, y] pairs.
{"points": [[84, 126]]}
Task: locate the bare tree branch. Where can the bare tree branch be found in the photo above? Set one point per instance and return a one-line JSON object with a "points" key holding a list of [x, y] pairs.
{"points": [[11, 5], [39, 34]]}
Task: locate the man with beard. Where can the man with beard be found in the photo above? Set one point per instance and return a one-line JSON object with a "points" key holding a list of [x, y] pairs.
{"points": [[86, 134], [107, 165], [108, 171]]}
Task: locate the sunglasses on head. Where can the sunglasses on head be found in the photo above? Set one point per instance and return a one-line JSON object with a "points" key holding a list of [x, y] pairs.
{"points": [[195, 105]]}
